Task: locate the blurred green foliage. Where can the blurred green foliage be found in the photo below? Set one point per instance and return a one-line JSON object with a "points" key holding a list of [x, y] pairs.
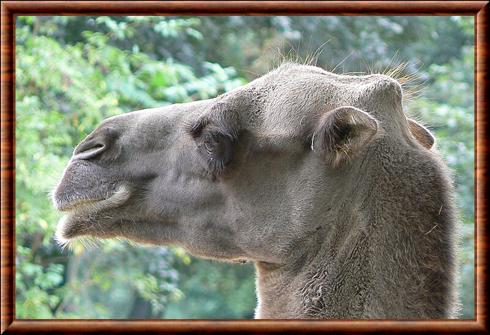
{"points": [[72, 72]]}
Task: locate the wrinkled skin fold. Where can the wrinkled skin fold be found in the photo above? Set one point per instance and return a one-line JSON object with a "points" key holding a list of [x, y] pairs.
{"points": [[320, 179]]}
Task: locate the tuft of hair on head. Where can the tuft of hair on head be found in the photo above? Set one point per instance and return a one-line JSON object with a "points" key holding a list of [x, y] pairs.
{"points": [[405, 72], [294, 56], [411, 81], [342, 62]]}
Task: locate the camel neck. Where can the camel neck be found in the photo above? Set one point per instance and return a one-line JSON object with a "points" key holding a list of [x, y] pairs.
{"points": [[322, 283]]}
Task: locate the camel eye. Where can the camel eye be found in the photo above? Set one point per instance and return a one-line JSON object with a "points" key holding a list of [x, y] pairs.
{"points": [[217, 149], [209, 146]]}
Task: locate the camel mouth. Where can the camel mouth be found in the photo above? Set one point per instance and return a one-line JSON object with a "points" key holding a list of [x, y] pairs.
{"points": [[74, 204], [81, 214]]}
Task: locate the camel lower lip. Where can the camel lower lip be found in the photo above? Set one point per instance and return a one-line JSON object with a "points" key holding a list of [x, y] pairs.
{"points": [[77, 204], [62, 235]]}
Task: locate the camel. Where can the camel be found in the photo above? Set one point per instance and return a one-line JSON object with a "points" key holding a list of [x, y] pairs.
{"points": [[320, 179]]}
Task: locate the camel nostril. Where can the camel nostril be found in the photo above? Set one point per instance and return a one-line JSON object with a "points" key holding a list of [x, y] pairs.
{"points": [[97, 142], [88, 149]]}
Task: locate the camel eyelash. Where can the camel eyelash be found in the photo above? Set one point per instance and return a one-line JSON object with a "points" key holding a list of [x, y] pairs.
{"points": [[194, 128]]}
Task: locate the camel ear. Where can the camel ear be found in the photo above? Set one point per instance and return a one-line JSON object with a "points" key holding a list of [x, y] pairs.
{"points": [[421, 134], [342, 132]]}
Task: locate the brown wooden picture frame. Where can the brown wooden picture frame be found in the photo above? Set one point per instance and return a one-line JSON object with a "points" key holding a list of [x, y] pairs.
{"points": [[11, 9]]}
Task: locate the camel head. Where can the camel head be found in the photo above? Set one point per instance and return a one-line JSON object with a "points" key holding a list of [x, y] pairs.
{"points": [[247, 175]]}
